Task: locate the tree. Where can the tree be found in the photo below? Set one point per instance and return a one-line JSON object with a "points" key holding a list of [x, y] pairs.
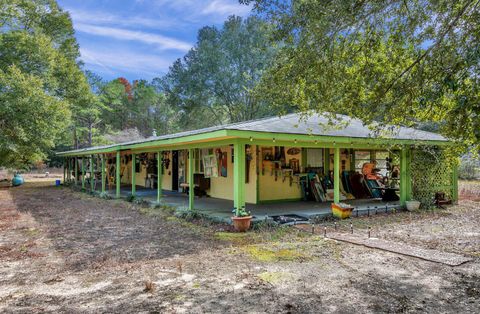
{"points": [[41, 82], [215, 78], [397, 62]]}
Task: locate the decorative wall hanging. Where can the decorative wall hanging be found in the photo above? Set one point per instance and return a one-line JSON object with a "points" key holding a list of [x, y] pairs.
{"points": [[293, 151]]}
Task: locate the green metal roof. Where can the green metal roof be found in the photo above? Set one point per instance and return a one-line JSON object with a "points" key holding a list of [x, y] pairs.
{"points": [[293, 125]]}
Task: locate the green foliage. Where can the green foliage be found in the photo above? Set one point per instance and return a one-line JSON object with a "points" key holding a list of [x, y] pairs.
{"points": [[469, 168], [242, 213], [41, 83], [213, 83], [397, 62]]}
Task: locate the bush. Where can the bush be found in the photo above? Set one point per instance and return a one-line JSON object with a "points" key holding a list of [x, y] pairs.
{"points": [[469, 168]]}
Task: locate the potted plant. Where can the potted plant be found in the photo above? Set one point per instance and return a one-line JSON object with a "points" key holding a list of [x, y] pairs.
{"points": [[242, 220], [412, 205]]}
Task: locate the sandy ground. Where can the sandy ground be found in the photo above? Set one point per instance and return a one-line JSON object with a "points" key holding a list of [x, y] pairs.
{"points": [[66, 252]]}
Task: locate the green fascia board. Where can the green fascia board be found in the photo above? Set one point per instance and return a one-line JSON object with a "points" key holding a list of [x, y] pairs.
{"points": [[289, 137]]}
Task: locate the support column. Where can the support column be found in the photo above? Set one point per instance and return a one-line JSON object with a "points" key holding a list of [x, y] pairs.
{"points": [[83, 173], [159, 176], [69, 169], [102, 158], [455, 182], [238, 176], [92, 175], [336, 175], [76, 170], [64, 166], [117, 175], [403, 176], [134, 179], [191, 184]]}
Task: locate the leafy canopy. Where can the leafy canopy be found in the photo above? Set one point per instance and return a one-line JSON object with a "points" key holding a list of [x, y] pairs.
{"points": [[398, 62]]}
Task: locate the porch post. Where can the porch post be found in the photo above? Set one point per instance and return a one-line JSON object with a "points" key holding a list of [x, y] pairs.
{"points": [[102, 158], [238, 176], [403, 176], [191, 184], [64, 169], [159, 176], [455, 182], [336, 175], [134, 190], [83, 173], [76, 170], [92, 175], [69, 166], [117, 175]]}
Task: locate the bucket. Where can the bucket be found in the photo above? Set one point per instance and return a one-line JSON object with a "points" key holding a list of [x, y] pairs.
{"points": [[57, 182]]}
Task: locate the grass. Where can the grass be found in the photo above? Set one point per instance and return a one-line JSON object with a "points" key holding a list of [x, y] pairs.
{"points": [[272, 254], [275, 277]]}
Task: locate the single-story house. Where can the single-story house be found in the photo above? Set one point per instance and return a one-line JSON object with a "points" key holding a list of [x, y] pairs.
{"points": [[292, 158]]}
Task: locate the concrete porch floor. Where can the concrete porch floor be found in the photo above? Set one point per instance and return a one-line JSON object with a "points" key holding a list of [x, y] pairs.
{"points": [[221, 209]]}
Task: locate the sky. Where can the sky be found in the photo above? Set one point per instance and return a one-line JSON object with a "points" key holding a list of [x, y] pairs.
{"points": [[140, 39]]}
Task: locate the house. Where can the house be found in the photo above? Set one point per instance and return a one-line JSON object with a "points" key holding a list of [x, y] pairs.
{"points": [[292, 158]]}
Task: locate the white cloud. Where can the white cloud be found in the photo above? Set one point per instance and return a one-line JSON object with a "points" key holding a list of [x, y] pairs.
{"points": [[225, 8], [104, 18], [114, 63], [160, 41]]}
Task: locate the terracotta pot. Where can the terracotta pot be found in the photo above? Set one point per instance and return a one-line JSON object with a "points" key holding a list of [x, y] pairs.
{"points": [[241, 224]]}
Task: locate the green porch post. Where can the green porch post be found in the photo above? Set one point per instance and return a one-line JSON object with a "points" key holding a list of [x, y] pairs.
{"points": [[69, 170], [159, 176], [102, 158], [134, 182], [455, 182], [403, 176], [409, 175], [191, 185], [117, 175], [76, 170], [238, 176], [336, 175], [92, 175], [83, 173]]}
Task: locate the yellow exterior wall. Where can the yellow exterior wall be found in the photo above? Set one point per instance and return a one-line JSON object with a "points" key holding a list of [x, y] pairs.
{"points": [[222, 187], [270, 190]]}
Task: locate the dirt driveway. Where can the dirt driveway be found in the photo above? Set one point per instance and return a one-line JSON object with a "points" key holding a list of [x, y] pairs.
{"points": [[64, 251]]}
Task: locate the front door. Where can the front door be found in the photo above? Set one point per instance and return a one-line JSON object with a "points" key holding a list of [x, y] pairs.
{"points": [[175, 170]]}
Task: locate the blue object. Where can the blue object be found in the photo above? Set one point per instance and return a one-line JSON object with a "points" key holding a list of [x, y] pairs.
{"points": [[57, 182], [17, 180]]}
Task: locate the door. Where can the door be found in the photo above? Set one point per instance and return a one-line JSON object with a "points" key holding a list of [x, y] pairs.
{"points": [[175, 170]]}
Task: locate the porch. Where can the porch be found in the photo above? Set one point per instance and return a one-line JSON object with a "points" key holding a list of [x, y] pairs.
{"points": [[221, 209]]}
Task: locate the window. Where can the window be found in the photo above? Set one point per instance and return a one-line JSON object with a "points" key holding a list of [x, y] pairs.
{"points": [[361, 157], [381, 158], [315, 157]]}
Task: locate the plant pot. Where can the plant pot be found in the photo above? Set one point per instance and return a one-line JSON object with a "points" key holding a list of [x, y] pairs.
{"points": [[241, 224], [412, 205], [341, 212]]}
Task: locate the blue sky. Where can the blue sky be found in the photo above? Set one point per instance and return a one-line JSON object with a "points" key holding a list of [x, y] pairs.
{"points": [[141, 38]]}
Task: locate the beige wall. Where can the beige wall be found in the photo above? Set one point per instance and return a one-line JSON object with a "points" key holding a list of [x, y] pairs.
{"points": [[270, 190]]}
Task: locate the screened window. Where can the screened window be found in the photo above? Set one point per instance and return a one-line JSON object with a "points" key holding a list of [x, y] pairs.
{"points": [[315, 157]]}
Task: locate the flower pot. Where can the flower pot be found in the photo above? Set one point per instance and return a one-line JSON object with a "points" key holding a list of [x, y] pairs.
{"points": [[341, 212], [412, 205], [241, 224]]}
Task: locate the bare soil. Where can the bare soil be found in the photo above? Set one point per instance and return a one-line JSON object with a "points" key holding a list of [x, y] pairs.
{"points": [[67, 252]]}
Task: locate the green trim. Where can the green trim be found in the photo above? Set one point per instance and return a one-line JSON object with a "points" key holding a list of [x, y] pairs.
{"points": [[191, 185], [238, 176], [159, 176], [83, 173], [134, 175], [92, 175], [102, 157], [117, 176], [403, 176], [76, 170], [336, 176]]}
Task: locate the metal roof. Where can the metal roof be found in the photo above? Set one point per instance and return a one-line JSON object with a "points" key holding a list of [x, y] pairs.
{"points": [[302, 124]]}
